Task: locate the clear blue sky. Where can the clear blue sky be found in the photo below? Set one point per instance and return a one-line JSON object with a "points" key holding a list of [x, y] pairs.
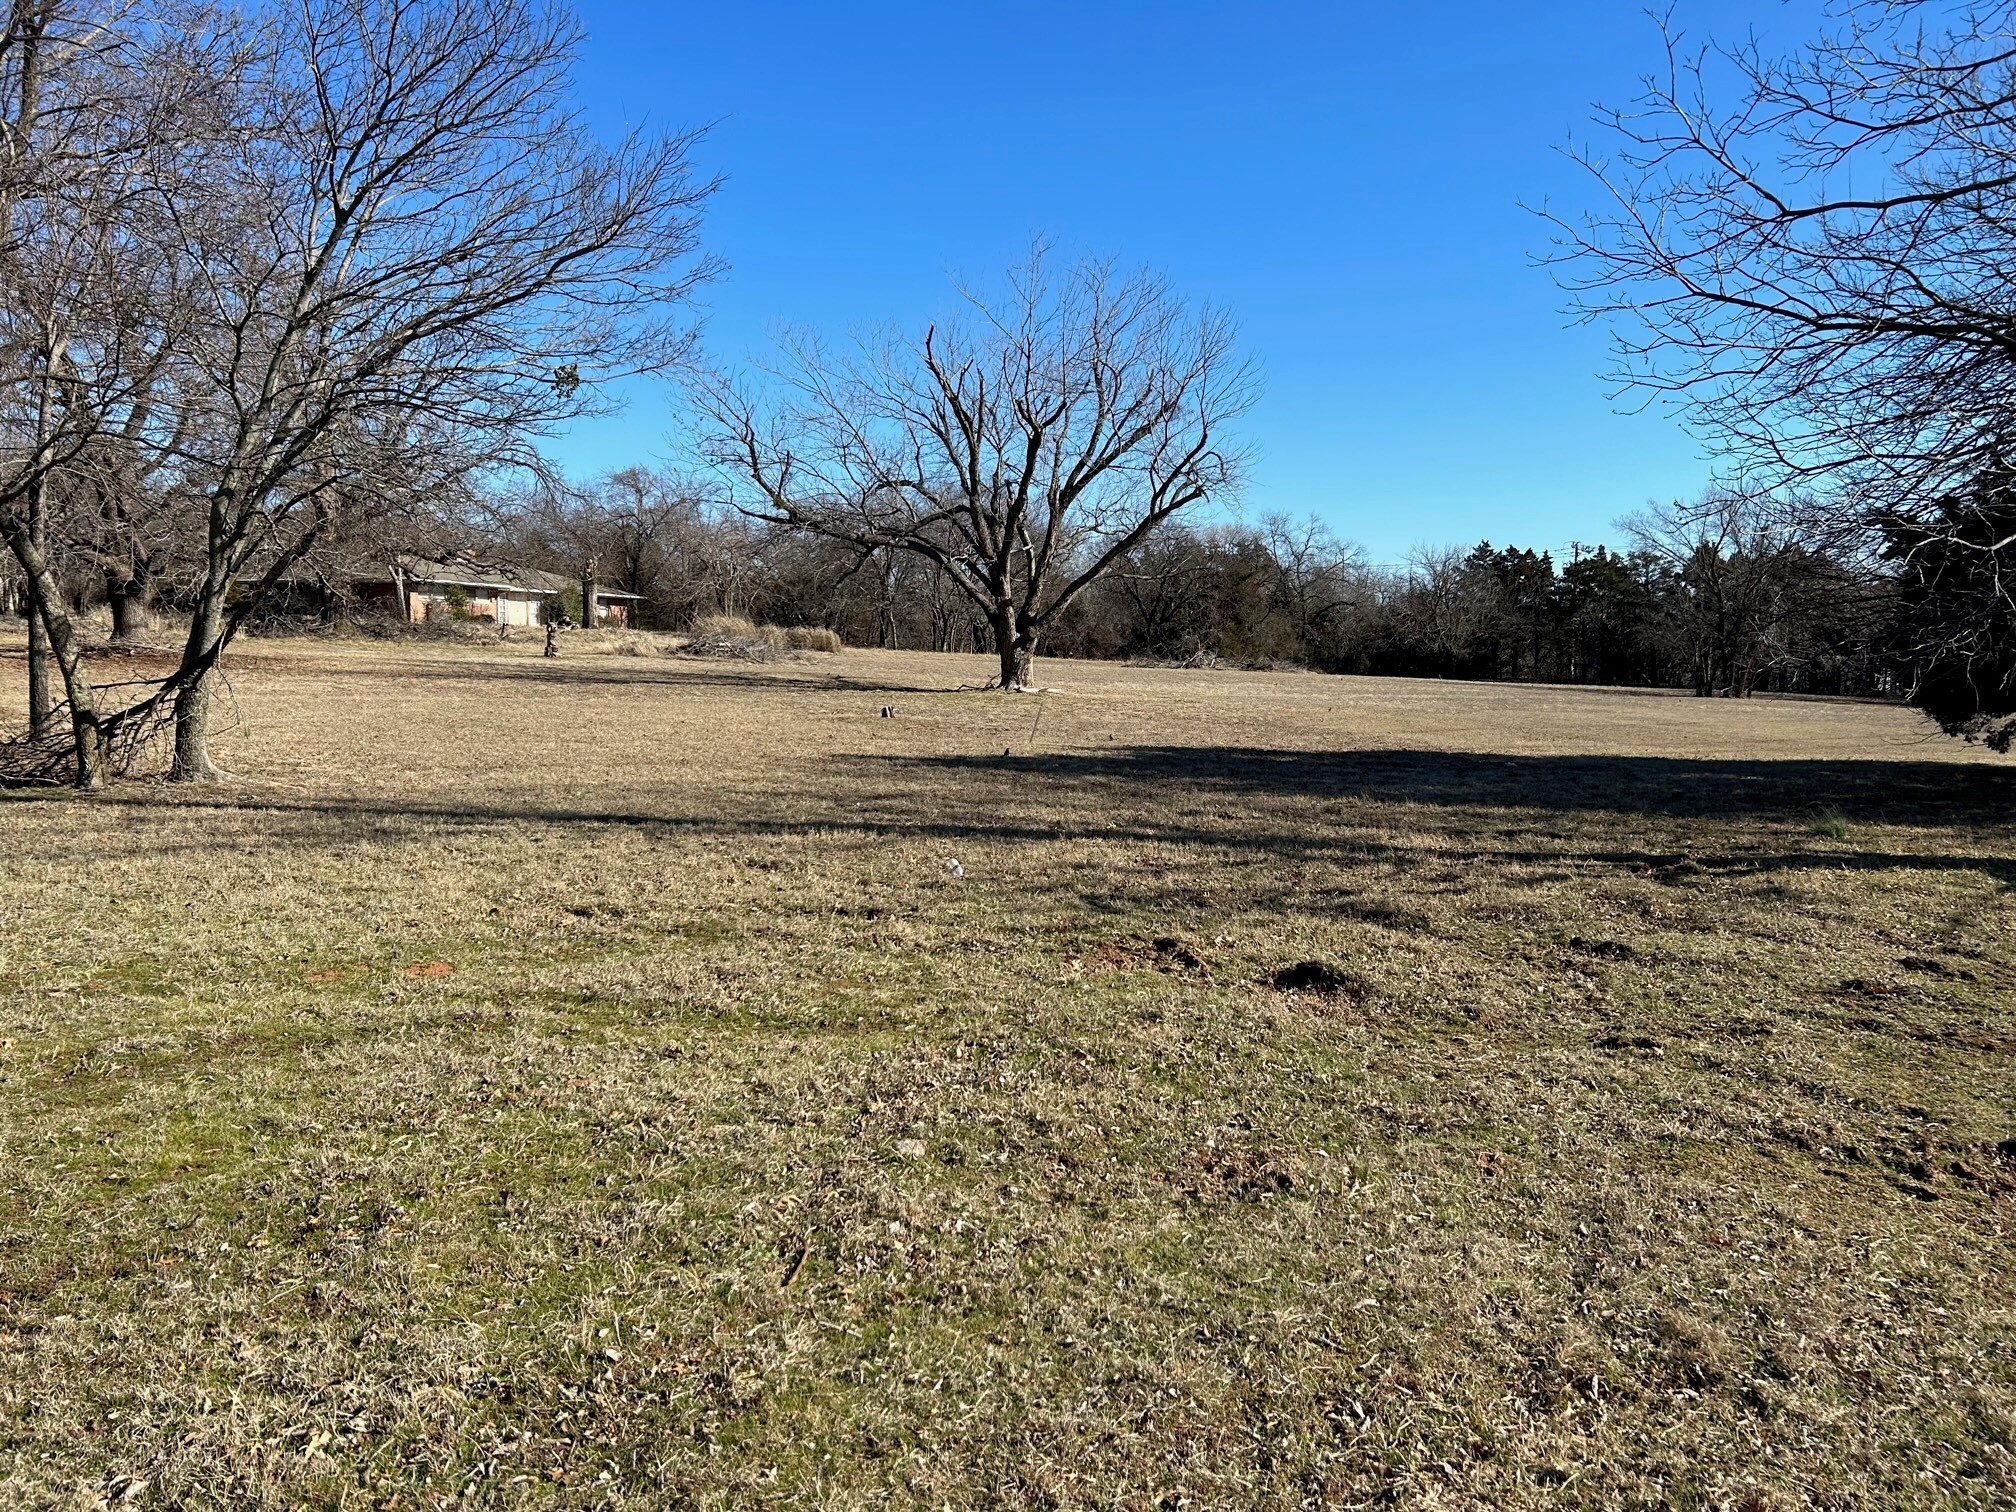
{"points": [[1345, 178]]}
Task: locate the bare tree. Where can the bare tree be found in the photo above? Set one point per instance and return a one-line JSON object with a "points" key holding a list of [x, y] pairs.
{"points": [[1445, 606], [647, 529], [1023, 451], [1813, 254], [1741, 579], [431, 260], [24, 69], [640, 511], [391, 262], [1814, 251], [1318, 577], [98, 99], [1162, 585], [119, 513]]}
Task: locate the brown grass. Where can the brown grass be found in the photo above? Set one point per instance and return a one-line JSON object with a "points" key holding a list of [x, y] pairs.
{"points": [[585, 1083], [814, 638], [723, 624], [730, 637]]}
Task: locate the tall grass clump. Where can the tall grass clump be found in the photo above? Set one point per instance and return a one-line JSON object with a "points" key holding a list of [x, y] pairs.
{"points": [[608, 641], [732, 636], [723, 624]]}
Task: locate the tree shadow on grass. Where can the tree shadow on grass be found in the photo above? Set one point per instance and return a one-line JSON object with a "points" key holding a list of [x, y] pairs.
{"points": [[1930, 793], [1252, 802], [608, 671]]}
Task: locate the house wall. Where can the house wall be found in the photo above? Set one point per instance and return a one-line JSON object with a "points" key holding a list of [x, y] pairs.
{"points": [[518, 609], [506, 608], [509, 606]]}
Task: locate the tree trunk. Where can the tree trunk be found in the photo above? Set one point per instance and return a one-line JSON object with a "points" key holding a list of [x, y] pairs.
{"points": [[41, 588], [192, 734], [192, 705], [1016, 663], [41, 695], [59, 638], [127, 597], [1016, 648]]}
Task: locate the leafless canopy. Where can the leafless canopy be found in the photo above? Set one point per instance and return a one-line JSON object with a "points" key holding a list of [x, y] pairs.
{"points": [[374, 256], [1816, 253], [1024, 450], [435, 262]]}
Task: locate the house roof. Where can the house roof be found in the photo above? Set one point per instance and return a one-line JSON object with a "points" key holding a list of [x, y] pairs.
{"points": [[466, 572]]}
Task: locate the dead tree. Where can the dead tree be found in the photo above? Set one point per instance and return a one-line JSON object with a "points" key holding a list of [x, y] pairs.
{"points": [[1024, 451]]}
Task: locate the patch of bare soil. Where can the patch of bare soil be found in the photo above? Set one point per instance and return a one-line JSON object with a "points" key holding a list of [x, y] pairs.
{"points": [[1164, 953], [1321, 979]]}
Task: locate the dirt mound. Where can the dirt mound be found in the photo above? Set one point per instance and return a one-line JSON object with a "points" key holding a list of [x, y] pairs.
{"points": [[1321, 978]]}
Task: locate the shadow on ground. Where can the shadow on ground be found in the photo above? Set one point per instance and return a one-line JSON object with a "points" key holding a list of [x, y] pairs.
{"points": [[1902, 792], [1230, 801], [607, 670]]}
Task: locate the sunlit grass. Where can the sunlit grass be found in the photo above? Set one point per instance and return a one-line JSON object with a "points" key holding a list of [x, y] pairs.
{"points": [[586, 1084]]}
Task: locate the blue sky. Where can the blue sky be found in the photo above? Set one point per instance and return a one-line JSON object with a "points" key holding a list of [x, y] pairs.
{"points": [[1345, 179]]}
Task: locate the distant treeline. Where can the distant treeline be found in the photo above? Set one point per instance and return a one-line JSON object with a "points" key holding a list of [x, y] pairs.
{"points": [[1705, 597]]}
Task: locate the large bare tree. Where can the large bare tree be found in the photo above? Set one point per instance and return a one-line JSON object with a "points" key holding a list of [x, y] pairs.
{"points": [[396, 261], [1024, 449], [100, 101], [436, 262], [1814, 252]]}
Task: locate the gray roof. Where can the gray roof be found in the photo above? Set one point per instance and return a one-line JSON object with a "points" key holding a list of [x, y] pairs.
{"points": [[467, 572]]}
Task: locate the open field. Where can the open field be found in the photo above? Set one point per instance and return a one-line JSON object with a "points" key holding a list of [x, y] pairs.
{"points": [[586, 1084]]}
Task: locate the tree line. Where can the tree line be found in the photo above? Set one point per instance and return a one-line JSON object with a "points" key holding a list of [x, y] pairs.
{"points": [[1706, 595]]}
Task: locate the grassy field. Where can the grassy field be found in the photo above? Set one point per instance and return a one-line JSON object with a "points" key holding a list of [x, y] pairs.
{"points": [[589, 1084]]}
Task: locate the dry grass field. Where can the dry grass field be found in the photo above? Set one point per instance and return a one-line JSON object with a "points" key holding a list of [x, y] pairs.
{"points": [[587, 1084]]}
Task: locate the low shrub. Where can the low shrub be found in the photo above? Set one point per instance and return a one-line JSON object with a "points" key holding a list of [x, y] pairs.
{"points": [[755, 643], [709, 625], [814, 638]]}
